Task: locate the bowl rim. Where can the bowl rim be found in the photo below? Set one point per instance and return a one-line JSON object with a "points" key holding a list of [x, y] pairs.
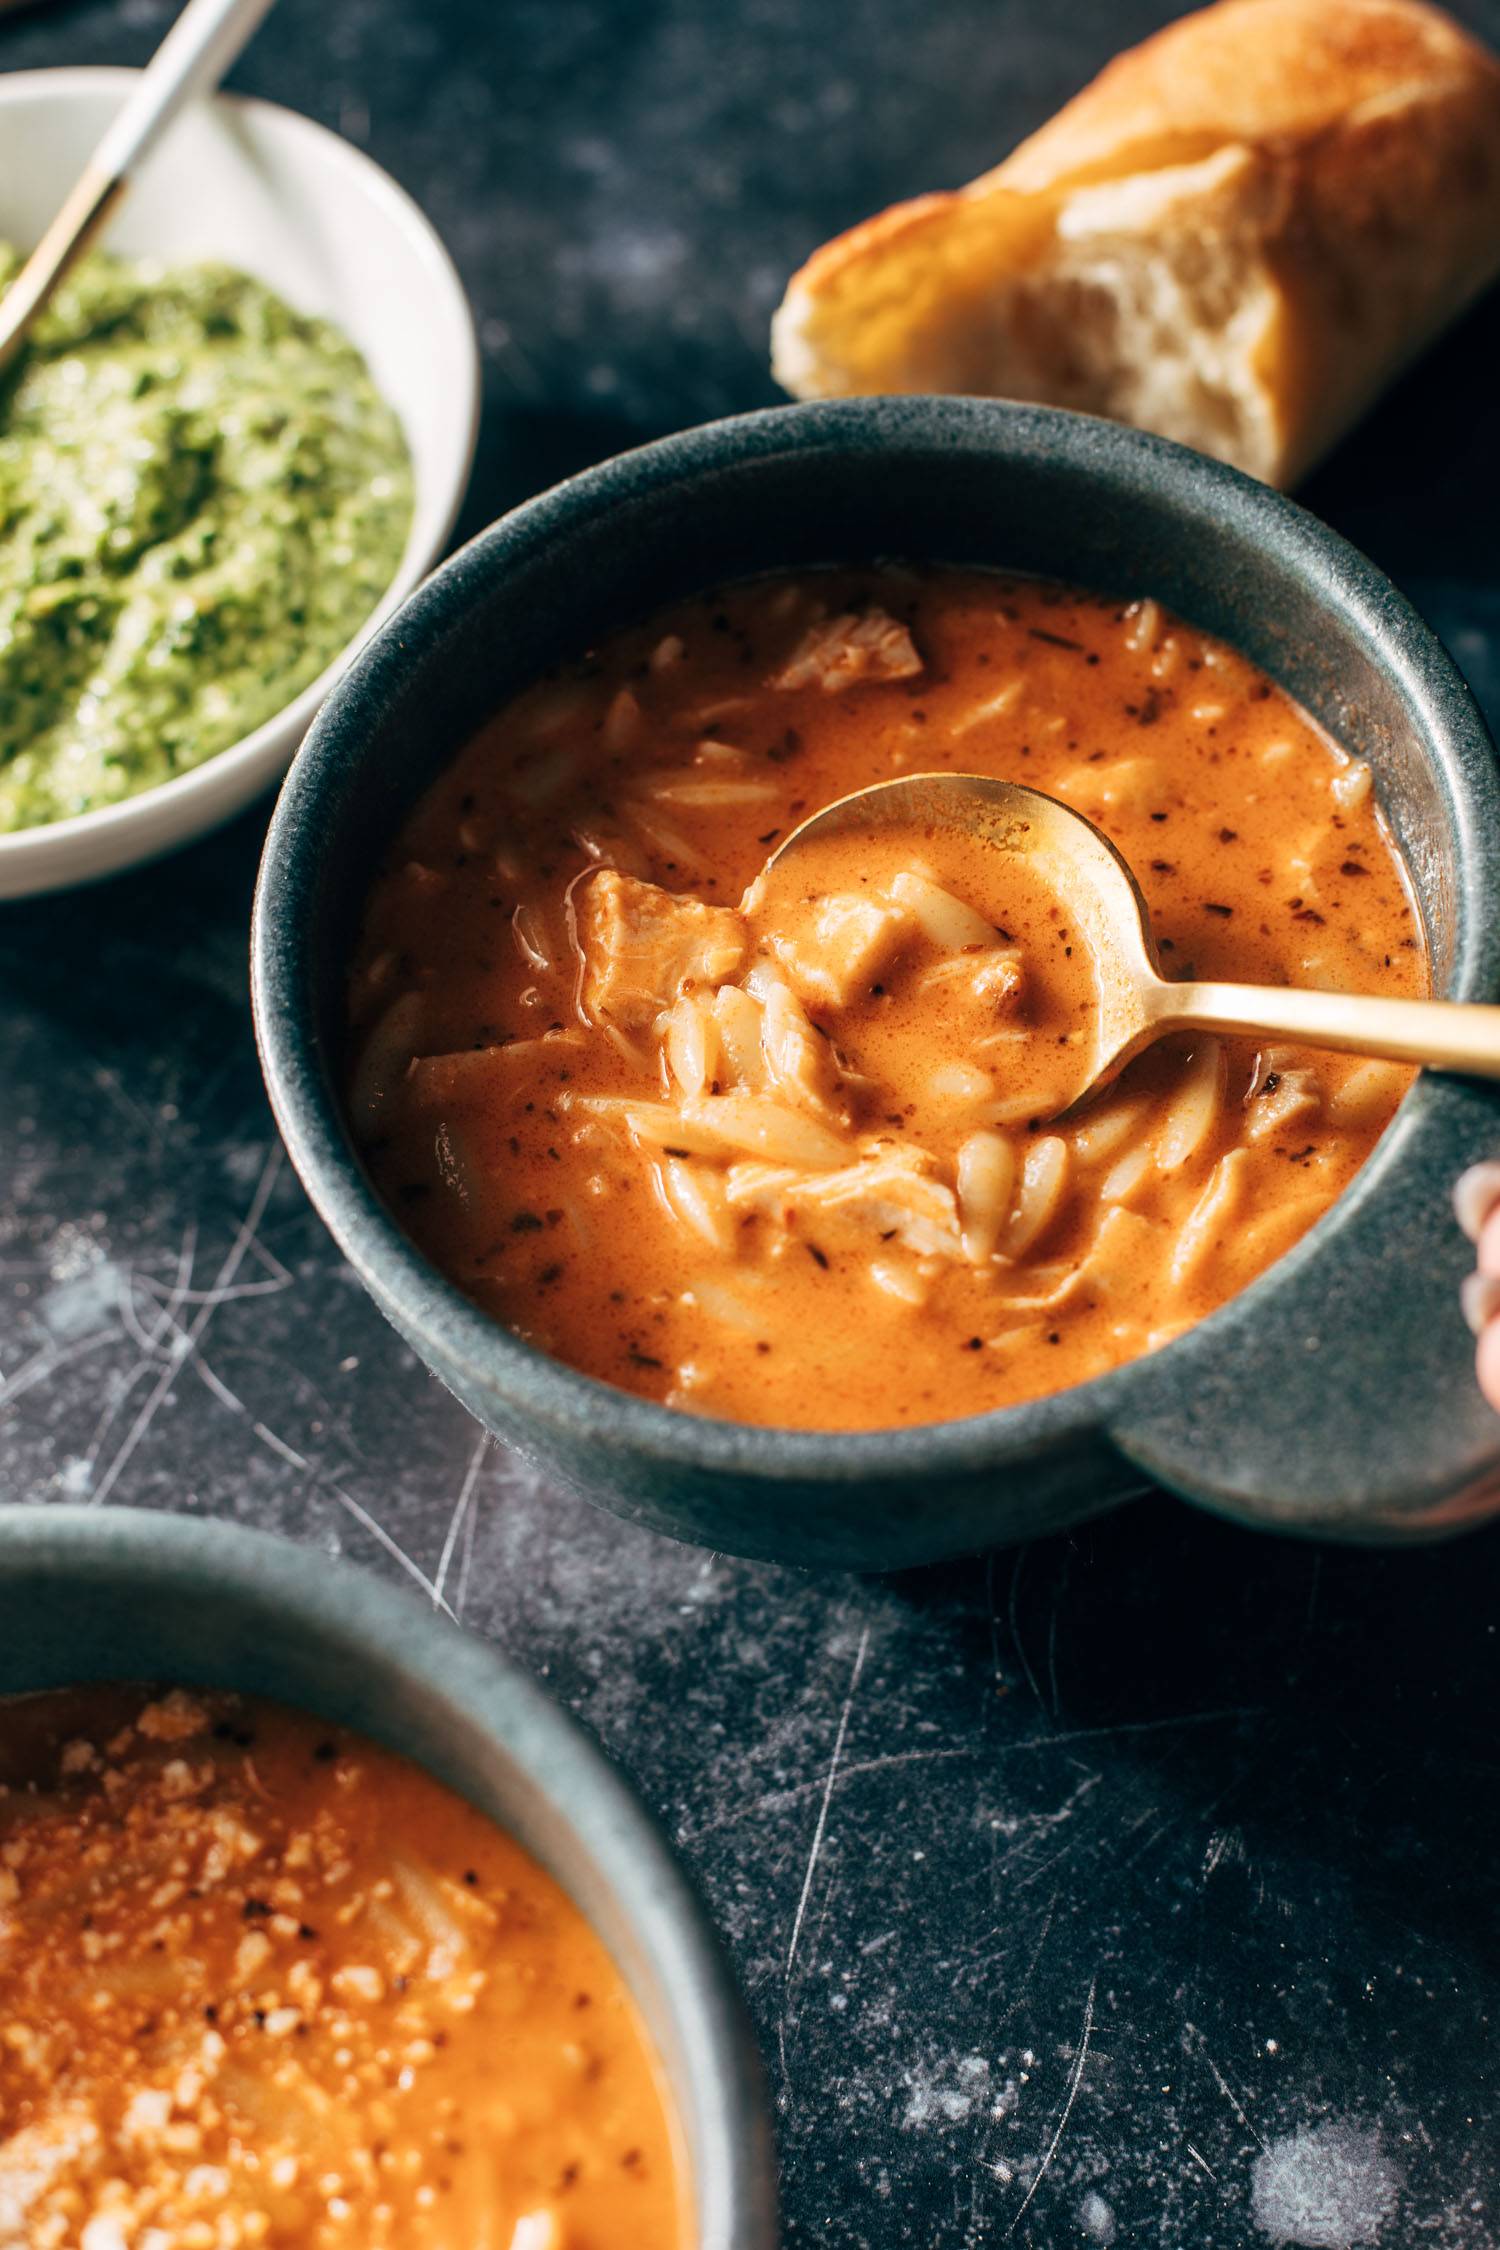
{"points": [[388, 1630], [483, 1355], [268, 743]]}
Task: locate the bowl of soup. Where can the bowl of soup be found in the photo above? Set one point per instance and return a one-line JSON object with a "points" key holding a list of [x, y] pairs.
{"points": [[741, 1213], [319, 1924]]}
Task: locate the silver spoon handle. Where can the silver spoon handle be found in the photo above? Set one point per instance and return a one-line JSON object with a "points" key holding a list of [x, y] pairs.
{"points": [[191, 60], [1444, 1034], [199, 48]]}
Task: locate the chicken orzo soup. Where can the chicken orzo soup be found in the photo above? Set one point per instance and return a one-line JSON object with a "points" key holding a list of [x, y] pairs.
{"points": [[263, 1983], [785, 1159]]}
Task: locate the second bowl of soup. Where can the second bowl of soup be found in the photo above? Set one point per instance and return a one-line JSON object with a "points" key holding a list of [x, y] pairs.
{"points": [[743, 1208], [321, 1926]]}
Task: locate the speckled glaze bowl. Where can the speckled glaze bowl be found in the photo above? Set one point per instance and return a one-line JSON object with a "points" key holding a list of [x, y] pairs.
{"points": [[1336, 1395], [115, 1593]]}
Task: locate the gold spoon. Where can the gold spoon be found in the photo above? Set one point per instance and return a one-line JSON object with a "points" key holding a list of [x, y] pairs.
{"points": [[1136, 1004], [199, 48]]}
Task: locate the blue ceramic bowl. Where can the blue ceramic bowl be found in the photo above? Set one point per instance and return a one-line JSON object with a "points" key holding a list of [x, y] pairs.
{"points": [[125, 1594], [1334, 1396]]}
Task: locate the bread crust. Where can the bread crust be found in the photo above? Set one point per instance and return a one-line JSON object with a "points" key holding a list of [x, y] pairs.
{"points": [[1365, 205], [1264, 72]]}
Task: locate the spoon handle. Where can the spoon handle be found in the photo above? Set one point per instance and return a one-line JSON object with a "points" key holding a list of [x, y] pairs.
{"points": [[1444, 1034], [199, 48], [191, 60]]}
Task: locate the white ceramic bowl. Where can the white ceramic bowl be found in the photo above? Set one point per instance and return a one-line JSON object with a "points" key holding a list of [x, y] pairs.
{"points": [[289, 202]]}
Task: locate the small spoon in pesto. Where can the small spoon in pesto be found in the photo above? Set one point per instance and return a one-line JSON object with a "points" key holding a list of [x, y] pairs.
{"points": [[191, 60]]}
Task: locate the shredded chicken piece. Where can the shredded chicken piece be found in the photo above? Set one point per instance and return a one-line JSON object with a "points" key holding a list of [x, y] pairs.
{"points": [[889, 1195], [999, 978], [996, 977], [851, 651], [643, 945], [851, 941], [799, 1064]]}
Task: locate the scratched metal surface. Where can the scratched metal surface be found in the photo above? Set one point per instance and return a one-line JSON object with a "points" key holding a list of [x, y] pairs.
{"points": [[1136, 1888]]}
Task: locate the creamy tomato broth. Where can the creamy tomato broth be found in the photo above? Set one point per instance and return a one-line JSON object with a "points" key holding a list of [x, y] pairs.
{"points": [[786, 1166], [263, 1983]]}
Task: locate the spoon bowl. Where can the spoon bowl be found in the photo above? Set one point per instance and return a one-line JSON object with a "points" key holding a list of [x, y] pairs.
{"points": [[1059, 850], [1134, 1004]]}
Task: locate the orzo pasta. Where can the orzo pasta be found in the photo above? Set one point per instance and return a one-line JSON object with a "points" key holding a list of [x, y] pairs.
{"points": [[790, 1164]]}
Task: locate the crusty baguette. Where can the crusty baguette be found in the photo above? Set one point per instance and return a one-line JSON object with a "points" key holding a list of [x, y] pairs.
{"points": [[1235, 236]]}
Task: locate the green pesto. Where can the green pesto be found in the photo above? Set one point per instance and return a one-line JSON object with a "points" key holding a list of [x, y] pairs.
{"points": [[202, 499]]}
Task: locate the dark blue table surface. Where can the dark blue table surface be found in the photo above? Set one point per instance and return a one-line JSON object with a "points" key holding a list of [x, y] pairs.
{"points": [[1138, 1887]]}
